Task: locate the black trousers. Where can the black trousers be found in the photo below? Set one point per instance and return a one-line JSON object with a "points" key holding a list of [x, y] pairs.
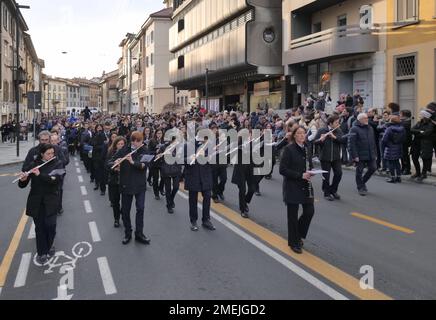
{"points": [[193, 205], [336, 166], [115, 199], [405, 161], [298, 228], [99, 174], [219, 180], [157, 186], [246, 193], [172, 185], [394, 168], [126, 206], [427, 166], [361, 179], [416, 154], [45, 230]]}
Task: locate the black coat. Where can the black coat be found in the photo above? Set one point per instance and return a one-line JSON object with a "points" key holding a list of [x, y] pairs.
{"points": [[98, 145], [292, 167], [198, 178], [44, 189], [133, 178], [243, 173], [361, 143], [425, 136], [330, 148], [33, 154]]}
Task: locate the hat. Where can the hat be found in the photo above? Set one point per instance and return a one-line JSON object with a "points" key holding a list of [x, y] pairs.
{"points": [[425, 114], [321, 94]]}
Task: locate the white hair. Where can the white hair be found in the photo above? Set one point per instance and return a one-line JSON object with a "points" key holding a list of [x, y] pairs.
{"points": [[361, 116]]}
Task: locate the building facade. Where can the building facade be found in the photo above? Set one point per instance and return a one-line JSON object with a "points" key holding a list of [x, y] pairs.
{"points": [[236, 45], [109, 92], [55, 100], [30, 65], [411, 53], [335, 47]]}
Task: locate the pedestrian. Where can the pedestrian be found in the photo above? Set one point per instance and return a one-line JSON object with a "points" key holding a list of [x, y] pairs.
{"points": [[361, 144], [406, 122], [392, 146], [43, 200], [98, 144], [156, 146], [133, 176], [297, 189], [330, 142], [425, 134], [114, 178], [382, 164], [171, 174]]}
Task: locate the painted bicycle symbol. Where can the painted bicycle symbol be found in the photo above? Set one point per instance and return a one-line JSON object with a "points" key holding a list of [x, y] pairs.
{"points": [[65, 262]]}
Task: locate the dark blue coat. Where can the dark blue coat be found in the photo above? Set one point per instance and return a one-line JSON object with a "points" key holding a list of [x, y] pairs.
{"points": [[361, 142], [392, 142]]}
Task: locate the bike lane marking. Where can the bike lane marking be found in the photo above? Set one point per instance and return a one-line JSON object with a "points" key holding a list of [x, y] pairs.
{"points": [[23, 270], [83, 191], [88, 207], [80, 179], [10, 253], [106, 276], [94, 232]]}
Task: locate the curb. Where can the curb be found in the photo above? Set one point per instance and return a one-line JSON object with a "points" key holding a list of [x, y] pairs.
{"points": [[405, 180]]}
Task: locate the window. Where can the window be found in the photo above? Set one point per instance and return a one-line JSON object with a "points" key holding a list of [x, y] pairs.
{"points": [[406, 67], [5, 17], [181, 25], [342, 20], [181, 62], [316, 27], [147, 62], [407, 10], [151, 59], [152, 37]]}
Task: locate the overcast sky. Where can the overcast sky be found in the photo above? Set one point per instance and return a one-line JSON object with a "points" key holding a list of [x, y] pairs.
{"points": [[89, 30]]}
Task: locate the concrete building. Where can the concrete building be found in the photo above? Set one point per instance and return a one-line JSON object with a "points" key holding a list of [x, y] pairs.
{"points": [[124, 70], [109, 92], [238, 41], [336, 47], [411, 53], [55, 96], [134, 74], [73, 97]]}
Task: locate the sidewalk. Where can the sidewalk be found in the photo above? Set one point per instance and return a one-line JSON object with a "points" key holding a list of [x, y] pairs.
{"points": [[8, 152]]}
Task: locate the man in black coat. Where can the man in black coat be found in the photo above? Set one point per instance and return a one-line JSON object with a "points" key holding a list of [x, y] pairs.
{"points": [[199, 178], [361, 143], [133, 184], [406, 121]]}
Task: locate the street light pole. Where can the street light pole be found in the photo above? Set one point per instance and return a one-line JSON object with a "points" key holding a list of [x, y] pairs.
{"points": [[17, 69], [207, 89]]}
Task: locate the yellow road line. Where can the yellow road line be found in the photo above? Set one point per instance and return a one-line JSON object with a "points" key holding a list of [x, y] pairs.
{"points": [[10, 253], [326, 270], [383, 223]]}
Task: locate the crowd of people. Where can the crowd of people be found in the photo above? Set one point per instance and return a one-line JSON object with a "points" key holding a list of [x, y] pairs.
{"points": [[123, 155]]}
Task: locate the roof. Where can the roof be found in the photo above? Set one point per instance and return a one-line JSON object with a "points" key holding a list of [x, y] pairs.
{"points": [[164, 13]]}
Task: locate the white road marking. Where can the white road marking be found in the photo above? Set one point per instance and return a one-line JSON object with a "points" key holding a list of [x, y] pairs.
{"points": [[106, 276], [94, 232], [76, 164], [84, 191], [78, 170], [280, 259], [20, 280], [80, 179], [88, 207], [32, 233]]}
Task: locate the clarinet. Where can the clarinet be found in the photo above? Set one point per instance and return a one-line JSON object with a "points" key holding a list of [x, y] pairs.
{"points": [[310, 185]]}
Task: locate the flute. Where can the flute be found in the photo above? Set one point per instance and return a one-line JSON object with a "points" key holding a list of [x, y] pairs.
{"points": [[169, 150], [203, 147], [29, 172], [125, 158], [244, 145]]}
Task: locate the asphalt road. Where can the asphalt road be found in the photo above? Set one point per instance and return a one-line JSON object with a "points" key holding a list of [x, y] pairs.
{"points": [[241, 260]]}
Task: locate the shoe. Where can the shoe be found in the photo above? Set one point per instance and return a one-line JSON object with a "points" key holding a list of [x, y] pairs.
{"points": [[103, 194], [421, 178], [297, 249], [329, 198], [407, 173], [221, 196], [157, 198], [173, 205], [365, 188], [96, 188], [209, 226], [42, 260], [268, 177], [150, 183], [142, 239], [398, 180], [163, 193], [116, 224], [415, 176], [258, 194], [92, 180], [194, 227], [391, 180], [245, 215], [61, 212], [301, 243], [51, 253], [170, 210], [127, 240], [336, 196], [247, 209], [362, 192], [216, 200]]}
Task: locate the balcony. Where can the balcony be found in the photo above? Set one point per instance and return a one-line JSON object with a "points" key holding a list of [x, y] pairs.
{"points": [[334, 42]]}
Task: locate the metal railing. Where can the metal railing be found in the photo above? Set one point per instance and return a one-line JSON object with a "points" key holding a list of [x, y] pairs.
{"points": [[332, 33]]}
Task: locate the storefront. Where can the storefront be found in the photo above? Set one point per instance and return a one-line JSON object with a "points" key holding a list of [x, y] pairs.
{"points": [[266, 95]]}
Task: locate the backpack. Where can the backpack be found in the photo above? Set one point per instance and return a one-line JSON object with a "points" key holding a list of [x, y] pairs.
{"points": [[398, 137]]}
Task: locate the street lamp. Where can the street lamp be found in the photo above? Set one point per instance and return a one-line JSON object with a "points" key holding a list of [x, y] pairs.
{"points": [[18, 74]]}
